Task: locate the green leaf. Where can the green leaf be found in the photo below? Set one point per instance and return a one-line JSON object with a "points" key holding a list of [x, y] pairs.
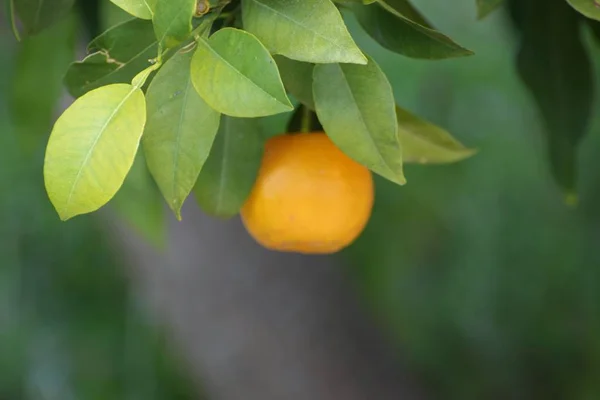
{"points": [[37, 15], [235, 74], [355, 105], [180, 131], [232, 167], [297, 79], [589, 8], [173, 21], [485, 7], [92, 148], [397, 26], [307, 30], [37, 86], [138, 8], [555, 66], [117, 56], [425, 143], [139, 203]]}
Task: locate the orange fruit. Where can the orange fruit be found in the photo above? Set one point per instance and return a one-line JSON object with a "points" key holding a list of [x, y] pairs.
{"points": [[309, 197]]}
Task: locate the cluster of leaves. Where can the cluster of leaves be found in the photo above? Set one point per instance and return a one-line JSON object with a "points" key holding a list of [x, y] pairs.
{"points": [[191, 80], [555, 65]]}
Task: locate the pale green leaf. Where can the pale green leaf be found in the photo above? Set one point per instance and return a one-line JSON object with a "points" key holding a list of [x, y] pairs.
{"points": [[180, 131], [173, 21], [138, 8], [425, 143], [355, 105], [229, 174], [304, 30], [92, 147], [117, 56], [589, 8], [235, 74], [398, 26], [297, 79]]}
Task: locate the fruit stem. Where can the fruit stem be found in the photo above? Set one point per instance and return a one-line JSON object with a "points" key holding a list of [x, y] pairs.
{"points": [[305, 124]]}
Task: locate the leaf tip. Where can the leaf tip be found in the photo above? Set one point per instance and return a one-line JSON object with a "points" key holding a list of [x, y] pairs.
{"points": [[64, 215], [176, 207]]}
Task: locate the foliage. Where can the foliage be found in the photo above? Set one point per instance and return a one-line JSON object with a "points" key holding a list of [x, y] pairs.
{"points": [[170, 76]]}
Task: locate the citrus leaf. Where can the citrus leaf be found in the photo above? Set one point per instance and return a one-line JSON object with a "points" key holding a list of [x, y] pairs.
{"points": [[37, 86], [307, 30], [92, 148], [138, 8], [425, 143], [173, 21], [37, 15], [555, 66], [486, 7], [397, 26], [589, 8], [228, 175], [235, 74], [297, 79], [139, 203], [180, 131], [355, 105], [117, 56]]}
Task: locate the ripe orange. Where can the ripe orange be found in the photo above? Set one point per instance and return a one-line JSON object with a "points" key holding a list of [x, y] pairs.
{"points": [[309, 197]]}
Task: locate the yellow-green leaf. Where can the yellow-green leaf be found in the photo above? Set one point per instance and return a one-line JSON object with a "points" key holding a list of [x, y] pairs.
{"points": [[589, 8], [92, 147], [425, 143]]}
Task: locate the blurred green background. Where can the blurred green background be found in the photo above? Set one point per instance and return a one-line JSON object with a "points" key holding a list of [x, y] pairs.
{"points": [[483, 278]]}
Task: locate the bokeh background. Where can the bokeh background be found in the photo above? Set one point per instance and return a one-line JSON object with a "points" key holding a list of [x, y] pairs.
{"points": [[474, 281]]}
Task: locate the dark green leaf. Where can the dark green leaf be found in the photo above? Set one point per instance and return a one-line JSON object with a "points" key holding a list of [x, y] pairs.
{"points": [[554, 65], [399, 27], [116, 57], [229, 173], [356, 106], [297, 79], [36, 15], [140, 204], [37, 85]]}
